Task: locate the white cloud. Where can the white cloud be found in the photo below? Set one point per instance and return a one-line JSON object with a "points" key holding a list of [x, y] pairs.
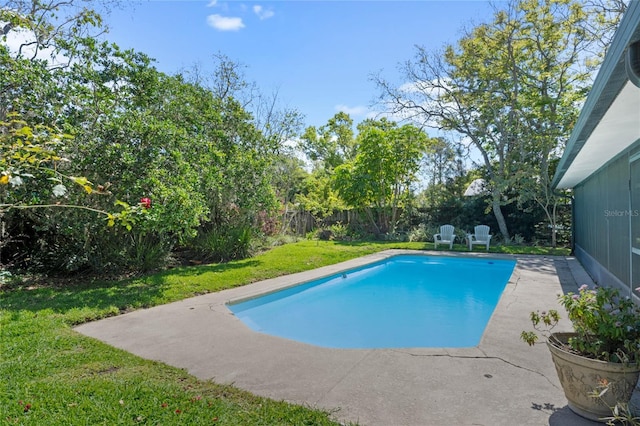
{"points": [[23, 41], [218, 5], [357, 110], [434, 89], [398, 117], [262, 13], [225, 23]]}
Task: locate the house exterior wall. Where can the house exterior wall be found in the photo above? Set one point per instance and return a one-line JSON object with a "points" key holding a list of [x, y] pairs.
{"points": [[634, 186], [602, 221]]}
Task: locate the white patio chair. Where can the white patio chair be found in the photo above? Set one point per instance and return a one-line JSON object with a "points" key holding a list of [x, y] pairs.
{"points": [[480, 236], [446, 236]]}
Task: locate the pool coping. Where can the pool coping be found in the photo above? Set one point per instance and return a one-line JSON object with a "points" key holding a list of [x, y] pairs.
{"points": [[500, 380]]}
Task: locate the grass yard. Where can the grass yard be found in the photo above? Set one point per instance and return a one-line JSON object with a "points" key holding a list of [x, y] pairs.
{"points": [[51, 375]]}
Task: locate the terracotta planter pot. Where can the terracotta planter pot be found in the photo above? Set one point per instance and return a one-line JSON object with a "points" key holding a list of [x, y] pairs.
{"points": [[580, 376]]}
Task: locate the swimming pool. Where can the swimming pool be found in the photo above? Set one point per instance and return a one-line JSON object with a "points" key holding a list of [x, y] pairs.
{"points": [[402, 301]]}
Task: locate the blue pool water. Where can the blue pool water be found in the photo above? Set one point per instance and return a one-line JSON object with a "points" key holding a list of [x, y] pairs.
{"points": [[403, 301]]}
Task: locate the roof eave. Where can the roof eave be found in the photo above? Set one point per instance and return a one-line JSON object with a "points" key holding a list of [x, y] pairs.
{"points": [[610, 80]]}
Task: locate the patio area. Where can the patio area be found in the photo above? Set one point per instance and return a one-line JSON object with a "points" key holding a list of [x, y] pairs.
{"points": [[502, 381]]}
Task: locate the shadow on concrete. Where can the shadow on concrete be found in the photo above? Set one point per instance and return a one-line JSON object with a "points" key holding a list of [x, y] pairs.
{"points": [[565, 276], [545, 265], [565, 417]]}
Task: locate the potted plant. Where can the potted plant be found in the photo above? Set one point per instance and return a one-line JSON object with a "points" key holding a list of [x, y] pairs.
{"points": [[604, 347]]}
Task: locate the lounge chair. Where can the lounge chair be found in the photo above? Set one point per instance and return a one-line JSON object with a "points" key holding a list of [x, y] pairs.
{"points": [[480, 236], [446, 236]]}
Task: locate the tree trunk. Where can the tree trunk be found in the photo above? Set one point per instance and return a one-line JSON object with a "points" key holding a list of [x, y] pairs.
{"points": [[553, 222], [372, 219], [554, 227], [502, 224]]}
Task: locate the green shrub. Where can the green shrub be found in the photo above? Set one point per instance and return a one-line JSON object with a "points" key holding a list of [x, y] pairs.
{"points": [[5, 277], [121, 251], [339, 231], [324, 234], [223, 244], [396, 236], [422, 233]]}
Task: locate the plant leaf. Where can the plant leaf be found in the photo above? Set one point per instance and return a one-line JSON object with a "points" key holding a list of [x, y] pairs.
{"points": [[16, 181], [59, 190]]}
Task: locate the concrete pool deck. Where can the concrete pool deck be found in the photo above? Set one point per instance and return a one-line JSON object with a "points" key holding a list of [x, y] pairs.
{"points": [[502, 381]]}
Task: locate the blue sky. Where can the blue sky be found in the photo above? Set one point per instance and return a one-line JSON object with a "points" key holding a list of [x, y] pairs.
{"points": [[318, 55]]}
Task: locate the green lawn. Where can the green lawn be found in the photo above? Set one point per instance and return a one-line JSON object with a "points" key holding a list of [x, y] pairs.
{"points": [[51, 375]]}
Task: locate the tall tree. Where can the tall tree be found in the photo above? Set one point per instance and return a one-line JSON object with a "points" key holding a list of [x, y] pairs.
{"points": [[511, 88], [38, 38], [279, 124], [441, 164], [51, 29], [603, 19], [319, 197], [331, 144], [380, 177]]}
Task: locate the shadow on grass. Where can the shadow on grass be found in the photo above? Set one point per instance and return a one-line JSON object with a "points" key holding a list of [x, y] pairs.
{"points": [[193, 271], [103, 298]]}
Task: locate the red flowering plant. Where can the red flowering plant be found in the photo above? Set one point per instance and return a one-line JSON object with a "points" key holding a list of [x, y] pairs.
{"points": [[129, 215], [606, 324]]}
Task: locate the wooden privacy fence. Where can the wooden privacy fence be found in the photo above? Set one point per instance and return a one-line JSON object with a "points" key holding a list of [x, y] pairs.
{"points": [[301, 222]]}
